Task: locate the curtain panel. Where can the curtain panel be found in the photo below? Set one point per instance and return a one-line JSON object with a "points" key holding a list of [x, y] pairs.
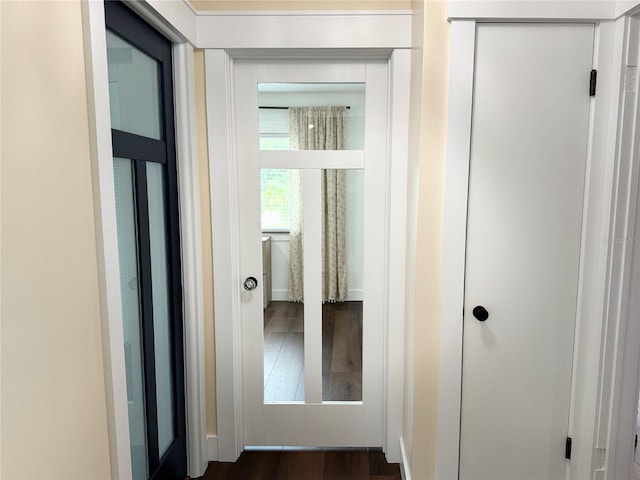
{"points": [[319, 128]]}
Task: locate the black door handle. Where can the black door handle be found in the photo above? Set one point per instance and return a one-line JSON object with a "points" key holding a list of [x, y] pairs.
{"points": [[480, 313]]}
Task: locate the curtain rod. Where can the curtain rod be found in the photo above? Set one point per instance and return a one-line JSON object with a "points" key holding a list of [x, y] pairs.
{"points": [[287, 108]]}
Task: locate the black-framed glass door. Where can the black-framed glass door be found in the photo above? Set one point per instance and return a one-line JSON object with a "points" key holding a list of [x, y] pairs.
{"points": [[145, 181]]}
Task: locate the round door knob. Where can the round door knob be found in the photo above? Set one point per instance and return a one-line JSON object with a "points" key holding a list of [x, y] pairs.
{"points": [[480, 313], [250, 283]]}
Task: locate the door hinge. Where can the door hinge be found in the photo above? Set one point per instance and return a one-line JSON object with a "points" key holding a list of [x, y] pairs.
{"points": [[592, 82], [567, 449]]}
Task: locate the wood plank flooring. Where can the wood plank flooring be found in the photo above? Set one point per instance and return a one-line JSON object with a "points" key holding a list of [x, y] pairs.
{"points": [[341, 351], [317, 464]]}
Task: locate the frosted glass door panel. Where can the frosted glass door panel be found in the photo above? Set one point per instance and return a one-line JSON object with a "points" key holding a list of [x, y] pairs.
{"points": [[161, 304], [134, 89], [295, 116], [132, 327]]}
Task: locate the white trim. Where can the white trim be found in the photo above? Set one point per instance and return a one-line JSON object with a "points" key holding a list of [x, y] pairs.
{"points": [[297, 13], [462, 44], [277, 29], [399, 88], [280, 295], [212, 448], [296, 30], [535, 10], [226, 278], [376, 214], [599, 181], [174, 18], [106, 238], [626, 7], [531, 10], [189, 201], [311, 243], [405, 465], [620, 366], [344, 159]]}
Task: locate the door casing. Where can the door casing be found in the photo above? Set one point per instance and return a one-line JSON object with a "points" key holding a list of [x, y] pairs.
{"points": [[219, 66]]}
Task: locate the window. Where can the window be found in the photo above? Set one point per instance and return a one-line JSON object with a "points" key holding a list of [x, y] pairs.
{"points": [[274, 183]]}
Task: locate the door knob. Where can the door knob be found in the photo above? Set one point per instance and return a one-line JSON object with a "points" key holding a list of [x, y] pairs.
{"points": [[480, 313], [250, 283]]}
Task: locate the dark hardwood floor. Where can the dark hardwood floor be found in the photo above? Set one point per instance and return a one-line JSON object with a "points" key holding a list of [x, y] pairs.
{"points": [[318, 464], [341, 351]]}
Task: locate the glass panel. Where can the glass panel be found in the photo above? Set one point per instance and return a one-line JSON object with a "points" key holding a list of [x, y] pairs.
{"points": [[342, 284], [131, 317], [282, 281], [161, 304], [300, 116], [134, 89], [275, 185]]}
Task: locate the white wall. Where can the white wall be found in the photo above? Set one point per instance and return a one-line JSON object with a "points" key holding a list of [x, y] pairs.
{"points": [[354, 140]]}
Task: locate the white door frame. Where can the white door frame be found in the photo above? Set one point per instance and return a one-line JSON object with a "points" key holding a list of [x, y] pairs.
{"points": [[620, 365], [606, 195], [104, 206], [220, 114]]}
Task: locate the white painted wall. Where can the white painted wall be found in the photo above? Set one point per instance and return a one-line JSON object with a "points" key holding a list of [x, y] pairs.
{"points": [[277, 121]]}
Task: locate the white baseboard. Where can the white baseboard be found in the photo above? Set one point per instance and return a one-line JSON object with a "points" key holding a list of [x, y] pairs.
{"points": [[280, 295], [212, 447], [405, 466]]}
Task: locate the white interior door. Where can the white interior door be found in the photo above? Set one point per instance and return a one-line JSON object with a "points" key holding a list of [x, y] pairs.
{"points": [[312, 369], [527, 171]]}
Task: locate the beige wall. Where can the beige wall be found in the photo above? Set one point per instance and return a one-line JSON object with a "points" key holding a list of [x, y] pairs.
{"points": [[427, 146], [301, 4], [413, 178], [207, 245], [53, 411]]}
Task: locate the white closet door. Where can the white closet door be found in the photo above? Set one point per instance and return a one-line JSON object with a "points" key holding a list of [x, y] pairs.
{"points": [[527, 171]]}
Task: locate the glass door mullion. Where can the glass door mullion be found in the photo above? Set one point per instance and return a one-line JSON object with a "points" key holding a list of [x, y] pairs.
{"points": [[146, 299], [312, 246]]}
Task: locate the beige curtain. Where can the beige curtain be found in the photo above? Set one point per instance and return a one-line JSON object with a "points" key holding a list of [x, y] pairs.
{"points": [[319, 128]]}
